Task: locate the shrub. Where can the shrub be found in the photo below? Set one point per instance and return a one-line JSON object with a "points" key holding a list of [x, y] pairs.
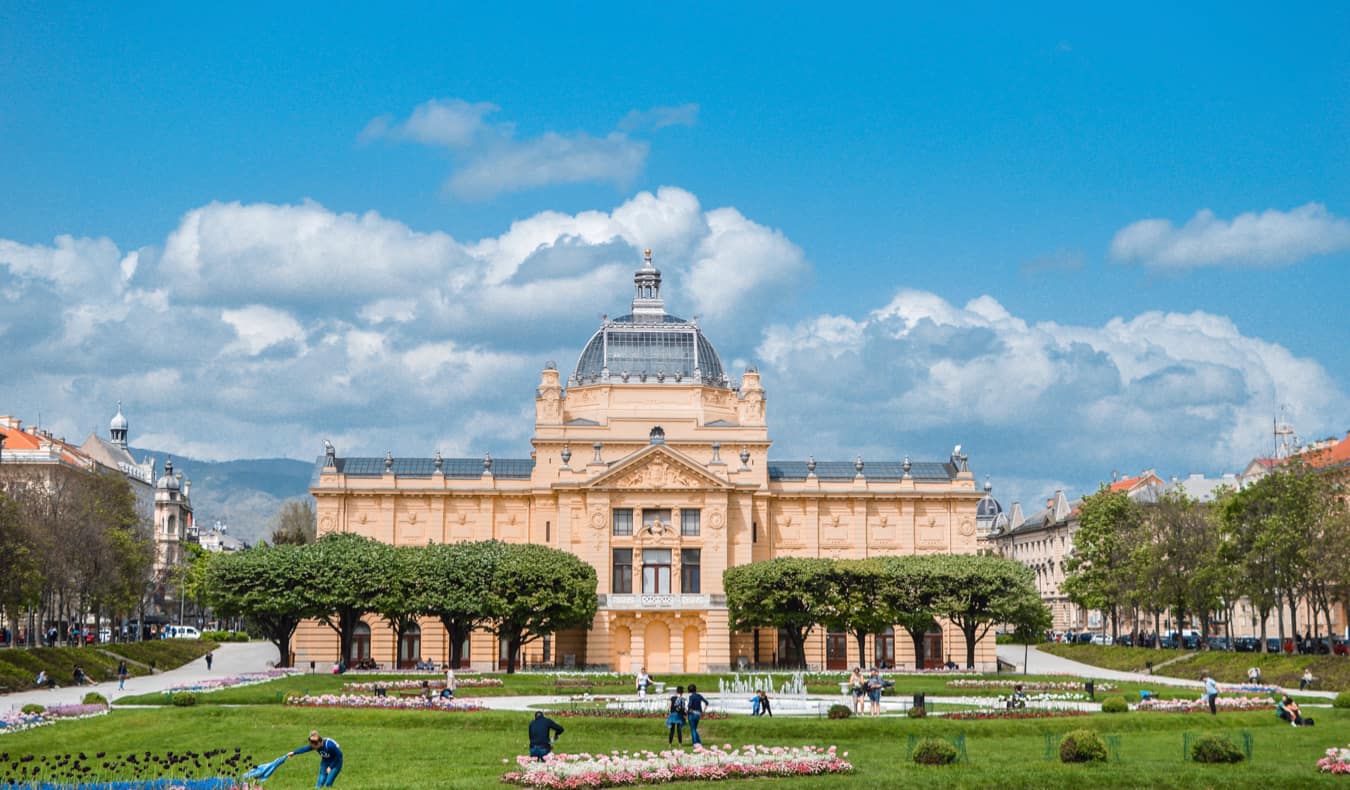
{"points": [[1116, 704], [225, 636], [95, 698], [840, 712], [917, 712], [934, 751], [184, 699], [1342, 700], [1212, 748], [1082, 746], [32, 707]]}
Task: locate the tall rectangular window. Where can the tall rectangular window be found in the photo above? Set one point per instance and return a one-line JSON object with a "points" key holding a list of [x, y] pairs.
{"points": [[623, 521], [754, 531], [690, 521], [690, 572], [656, 571], [623, 571]]}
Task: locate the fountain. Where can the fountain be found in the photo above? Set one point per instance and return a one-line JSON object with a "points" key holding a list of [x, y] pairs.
{"points": [[736, 691]]}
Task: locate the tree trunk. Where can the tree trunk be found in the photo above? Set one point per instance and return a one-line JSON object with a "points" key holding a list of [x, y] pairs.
{"points": [[968, 629], [798, 639], [512, 648], [919, 654], [862, 643], [1157, 627], [1265, 615]]}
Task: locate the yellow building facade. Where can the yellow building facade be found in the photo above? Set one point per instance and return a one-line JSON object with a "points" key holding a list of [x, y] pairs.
{"points": [[650, 464]]}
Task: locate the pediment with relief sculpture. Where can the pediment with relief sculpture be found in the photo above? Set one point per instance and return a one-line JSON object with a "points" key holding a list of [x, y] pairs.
{"points": [[656, 468]]}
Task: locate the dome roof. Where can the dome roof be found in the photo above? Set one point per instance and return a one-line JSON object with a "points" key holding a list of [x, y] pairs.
{"points": [[988, 508], [168, 482], [119, 422], [648, 345]]}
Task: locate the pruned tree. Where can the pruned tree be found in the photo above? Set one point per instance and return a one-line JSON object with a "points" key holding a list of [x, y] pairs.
{"points": [[451, 582], [537, 590], [270, 586], [855, 600], [978, 591], [787, 593], [349, 574], [913, 586]]}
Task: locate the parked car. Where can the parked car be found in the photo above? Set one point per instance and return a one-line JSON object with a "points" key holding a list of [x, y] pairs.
{"points": [[1217, 643], [1340, 647], [1084, 638], [180, 632], [1247, 644], [1125, 640], [1101, 639]]}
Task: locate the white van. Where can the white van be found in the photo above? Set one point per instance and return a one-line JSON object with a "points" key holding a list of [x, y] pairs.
{"points": [[180, 632]]}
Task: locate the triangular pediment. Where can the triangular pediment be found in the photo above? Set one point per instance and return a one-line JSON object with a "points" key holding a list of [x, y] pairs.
{"points": [[657, 468]]}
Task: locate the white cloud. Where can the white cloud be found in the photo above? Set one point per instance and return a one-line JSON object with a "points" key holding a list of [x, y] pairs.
{"points": [[1189, 390], [1271, 238], [660, 117], [550, 159], [70, 263], [491, 159], [259, 328]]}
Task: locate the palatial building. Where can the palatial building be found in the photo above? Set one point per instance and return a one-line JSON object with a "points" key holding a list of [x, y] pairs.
{"points": [[650, 463]]}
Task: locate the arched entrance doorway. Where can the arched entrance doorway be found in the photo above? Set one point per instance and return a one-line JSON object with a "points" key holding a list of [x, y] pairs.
{"points": [[932, 647], [656, 643], [836, 650], [693, 650], [360, 649], [622, 659], [410, 646], [883, 649]]}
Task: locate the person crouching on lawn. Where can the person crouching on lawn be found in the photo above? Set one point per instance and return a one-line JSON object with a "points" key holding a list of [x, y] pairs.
{"points": [[330, 757], [1288, 710], [540, 730]]}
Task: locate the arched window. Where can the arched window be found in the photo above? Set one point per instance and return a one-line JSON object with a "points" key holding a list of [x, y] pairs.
{"points": [[360, 650], [410, 646], [883, 649]]}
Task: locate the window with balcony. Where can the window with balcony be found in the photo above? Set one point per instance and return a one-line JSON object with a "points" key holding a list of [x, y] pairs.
{"points": [[690, 571], [623, 521], [690, 521], [656, 571], [623, 571]]}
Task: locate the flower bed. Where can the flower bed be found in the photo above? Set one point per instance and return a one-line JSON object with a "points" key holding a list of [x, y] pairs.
{"points": [[234, 681], [412, 683], [136, 771], [1048, 696], [1200, 705], [17, 722], [1037, 685], [626, 713], [385, 703], [618, 769], [1013, 714], [1337, 761], [1249, 688]]}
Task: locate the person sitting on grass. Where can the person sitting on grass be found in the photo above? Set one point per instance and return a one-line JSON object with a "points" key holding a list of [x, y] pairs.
{"points": [[78, 676], [42, 679], [1288, 710], [1254, 675], [1307, 679]]}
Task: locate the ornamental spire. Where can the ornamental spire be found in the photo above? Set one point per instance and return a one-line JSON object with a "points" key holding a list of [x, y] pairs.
{"points": [[648, 307]]}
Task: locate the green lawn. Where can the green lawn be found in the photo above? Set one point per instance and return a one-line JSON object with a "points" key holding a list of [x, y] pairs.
{"points": [[1333, 672], [397, 750], [19, 666]]}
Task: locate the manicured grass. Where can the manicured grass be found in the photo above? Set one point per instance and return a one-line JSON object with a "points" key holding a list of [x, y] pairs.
{"points": [[1333, 672], [412, 750], [19, 666]]}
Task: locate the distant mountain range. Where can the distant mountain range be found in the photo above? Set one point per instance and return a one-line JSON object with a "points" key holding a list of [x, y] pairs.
{"points": [[243, 495]]}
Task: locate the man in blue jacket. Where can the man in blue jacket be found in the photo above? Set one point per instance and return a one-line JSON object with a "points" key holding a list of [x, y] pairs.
{"points": [[330, 757], [540, 730]]}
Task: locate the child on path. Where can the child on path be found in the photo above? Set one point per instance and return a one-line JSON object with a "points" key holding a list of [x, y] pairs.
{"points": [[330, 757]]}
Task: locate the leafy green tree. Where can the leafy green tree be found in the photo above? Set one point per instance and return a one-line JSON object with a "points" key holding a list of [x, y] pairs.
{"points": [[295, 523], [1185, 543], [1098, 569], [451, 582], [271, 586], [855, 600], [537, 590], [787, 593], [913, 585], [20, 572], [397, 604], [349, 575], [979, 591]]}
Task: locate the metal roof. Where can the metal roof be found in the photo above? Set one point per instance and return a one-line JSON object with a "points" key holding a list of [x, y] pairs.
{"points": [[453, 468], [835, 471]]}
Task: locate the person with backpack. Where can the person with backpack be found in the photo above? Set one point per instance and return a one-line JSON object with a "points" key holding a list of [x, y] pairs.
{"points": [[676, 720], [697, 705]]}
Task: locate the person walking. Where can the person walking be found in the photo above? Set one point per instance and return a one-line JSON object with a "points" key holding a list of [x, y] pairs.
{"points": [[330, 757], [697, 704], [541, 735], [1212, 694], [209, 658], [643, 681], [122, 675], [676, 720]]}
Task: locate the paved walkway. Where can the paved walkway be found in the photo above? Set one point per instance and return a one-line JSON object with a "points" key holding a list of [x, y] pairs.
{"points": [[1040, 663], [230, 659]]}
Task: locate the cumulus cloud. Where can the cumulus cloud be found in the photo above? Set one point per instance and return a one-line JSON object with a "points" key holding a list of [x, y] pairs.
{"points": [[1271, 238], [491, 159], [281, 323], [1188, 389]]}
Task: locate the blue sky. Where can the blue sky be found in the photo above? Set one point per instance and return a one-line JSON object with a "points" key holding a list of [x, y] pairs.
{"points": [[255, 196]]}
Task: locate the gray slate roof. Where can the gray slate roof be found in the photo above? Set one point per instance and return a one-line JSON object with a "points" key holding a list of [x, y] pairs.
{"points": [[886, 471], [453, 468]]}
